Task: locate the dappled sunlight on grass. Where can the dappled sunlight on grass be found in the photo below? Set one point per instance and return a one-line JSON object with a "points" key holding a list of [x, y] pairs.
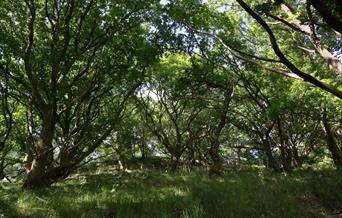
{"points": [[254, 193]]}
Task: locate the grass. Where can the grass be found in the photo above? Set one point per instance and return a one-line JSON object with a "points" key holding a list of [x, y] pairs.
{"points": [[251, 193]]}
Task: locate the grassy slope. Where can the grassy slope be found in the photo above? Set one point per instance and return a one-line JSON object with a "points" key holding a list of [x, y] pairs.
{"points": [[253, 193]]}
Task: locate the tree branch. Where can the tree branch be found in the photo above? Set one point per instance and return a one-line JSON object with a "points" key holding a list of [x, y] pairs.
{"points": [[284, 60]]}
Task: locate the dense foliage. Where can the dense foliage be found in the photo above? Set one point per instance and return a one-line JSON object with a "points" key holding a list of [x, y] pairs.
{"points": [[170, 85]]}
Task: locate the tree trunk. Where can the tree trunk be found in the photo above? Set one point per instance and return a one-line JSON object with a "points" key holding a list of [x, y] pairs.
{"points": [[326, 13], [336, 152], [191, 159], [29, 139], [120, 162], [143, 151], [2, 173], [298, 160], [288, 160], [37, 175], [271, 162], [216, 167], [238, 159], [285, 152], [174, 163]]}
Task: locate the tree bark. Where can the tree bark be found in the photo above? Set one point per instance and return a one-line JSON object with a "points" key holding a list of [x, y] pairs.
{"points": [[285, 152], [174, 163], [298, 160], [120, 162], [29, 139], [216, 167], [271, 162], [238, 159], [336, 151], [328, 17], [333, 61], [37, 175], [305, 76]]}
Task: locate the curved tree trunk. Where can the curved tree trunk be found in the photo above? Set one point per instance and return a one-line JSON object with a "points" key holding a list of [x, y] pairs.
{"points": [[216, 167], [336, 151], [37, 175]]}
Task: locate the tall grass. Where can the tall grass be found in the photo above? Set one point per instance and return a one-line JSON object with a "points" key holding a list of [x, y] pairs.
{"points": [[253, 193]]}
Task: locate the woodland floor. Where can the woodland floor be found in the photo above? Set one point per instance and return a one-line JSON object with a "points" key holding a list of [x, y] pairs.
{"points": [[246, 193]]}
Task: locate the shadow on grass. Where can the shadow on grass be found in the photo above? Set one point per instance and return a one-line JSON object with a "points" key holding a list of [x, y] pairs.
{"points": [[7, 210], [9, 194], [327, 187], [237, 194]]}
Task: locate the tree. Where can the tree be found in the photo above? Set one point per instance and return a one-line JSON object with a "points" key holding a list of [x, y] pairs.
{"points": [[171, 117], [333, 141], [76, 58], [187, 79], [6, 118]]}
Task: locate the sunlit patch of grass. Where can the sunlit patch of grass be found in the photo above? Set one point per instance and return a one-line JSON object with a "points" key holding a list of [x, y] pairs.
{"points": [[250, 193]]}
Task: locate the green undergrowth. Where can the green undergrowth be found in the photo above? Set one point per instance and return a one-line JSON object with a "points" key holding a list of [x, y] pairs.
{"points": [[250, 193]]}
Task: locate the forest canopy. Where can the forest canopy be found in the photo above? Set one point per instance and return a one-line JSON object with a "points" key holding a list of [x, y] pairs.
{"points": [[173, 84]]}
